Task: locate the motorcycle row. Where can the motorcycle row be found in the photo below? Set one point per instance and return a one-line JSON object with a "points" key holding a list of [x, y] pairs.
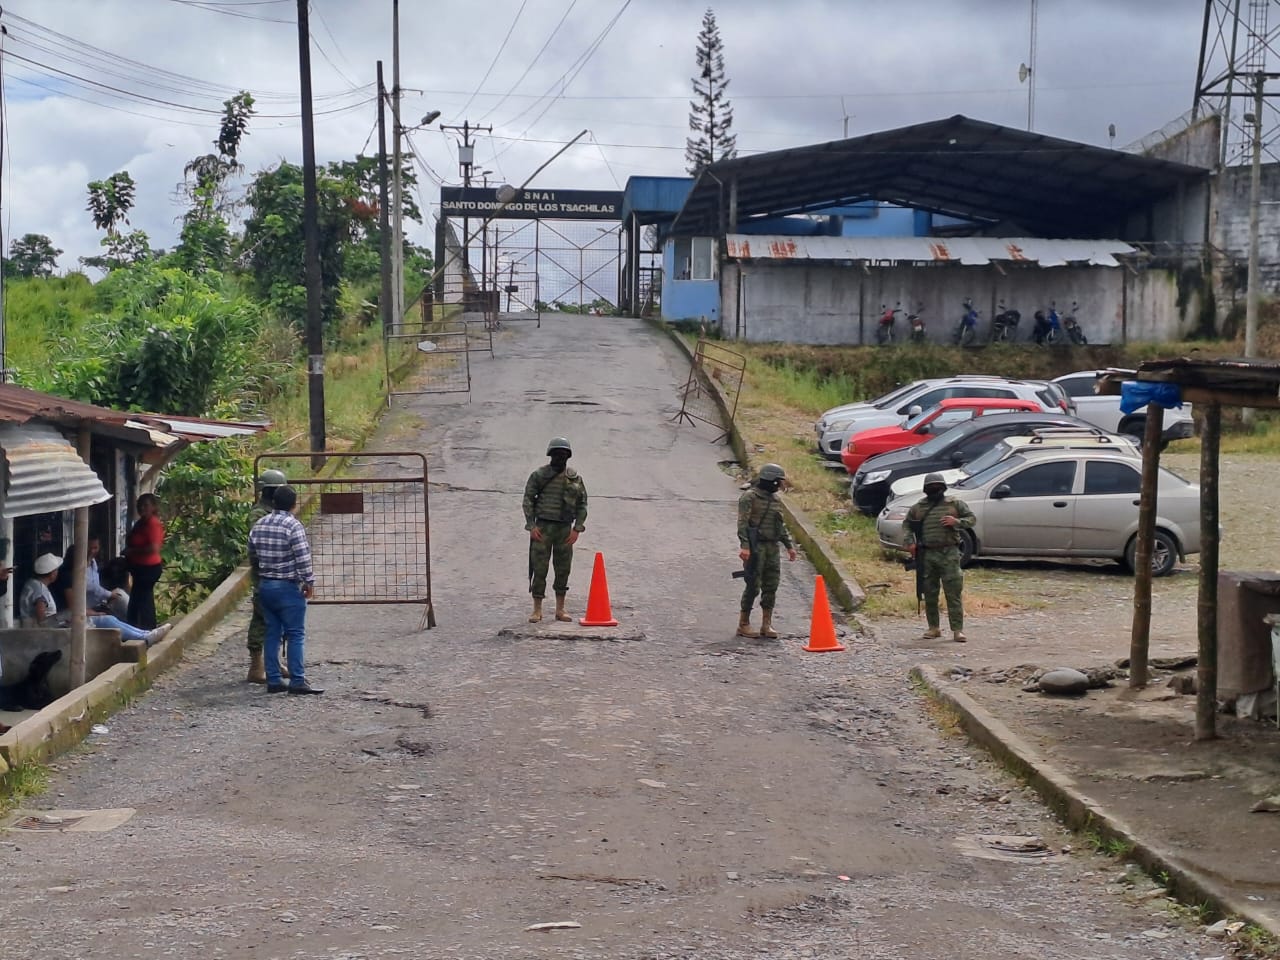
{"points": [[1047, 329]]}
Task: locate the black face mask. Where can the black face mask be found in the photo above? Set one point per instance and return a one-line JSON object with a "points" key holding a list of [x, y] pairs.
{"points": [[559, 462], [935, 494], [769, 486]]}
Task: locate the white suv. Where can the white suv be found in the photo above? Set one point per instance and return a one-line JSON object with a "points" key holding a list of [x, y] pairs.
{"points": [[1104, 411], [838, 424]]}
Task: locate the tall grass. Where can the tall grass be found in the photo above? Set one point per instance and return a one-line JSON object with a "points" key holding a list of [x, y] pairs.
{"points": [[39, 311]]}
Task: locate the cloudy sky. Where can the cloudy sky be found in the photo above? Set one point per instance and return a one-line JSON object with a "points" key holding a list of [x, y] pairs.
{"points": [[96, 86]]}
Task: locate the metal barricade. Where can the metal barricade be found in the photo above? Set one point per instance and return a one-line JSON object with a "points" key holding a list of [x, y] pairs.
{"points": [[429, 357], [368, 526], [727, 369]]}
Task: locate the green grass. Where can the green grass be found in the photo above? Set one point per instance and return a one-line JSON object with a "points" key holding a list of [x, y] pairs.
{"points": [[20, 782], [37, 312]]}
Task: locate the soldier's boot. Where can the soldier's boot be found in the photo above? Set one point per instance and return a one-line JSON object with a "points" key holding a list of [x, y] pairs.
{"points": [[561, 615], [766, 625], [536, 616], [933, 633], [959, 636], [744, 626], [257, 668]]}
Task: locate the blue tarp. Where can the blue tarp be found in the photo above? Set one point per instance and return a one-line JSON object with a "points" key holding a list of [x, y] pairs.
{"points": [[1135, 395]]}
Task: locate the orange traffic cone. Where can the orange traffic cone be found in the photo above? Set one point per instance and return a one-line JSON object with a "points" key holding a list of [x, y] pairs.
{"points": [[599, 613], [822, 629]]}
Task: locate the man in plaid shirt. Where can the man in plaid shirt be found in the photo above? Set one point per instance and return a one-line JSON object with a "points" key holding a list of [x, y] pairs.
{"points": [[278, 547]]}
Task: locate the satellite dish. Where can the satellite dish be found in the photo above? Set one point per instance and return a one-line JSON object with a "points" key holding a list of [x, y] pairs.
{"points": [[1023, 72], [505, 193]]}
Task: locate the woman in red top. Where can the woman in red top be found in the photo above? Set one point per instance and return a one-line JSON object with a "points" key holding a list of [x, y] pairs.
{"points": [[142, 551]]}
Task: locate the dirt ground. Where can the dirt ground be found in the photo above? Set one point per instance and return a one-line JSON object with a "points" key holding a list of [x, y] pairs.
{"points": [[673, 792], [1134, 751]]}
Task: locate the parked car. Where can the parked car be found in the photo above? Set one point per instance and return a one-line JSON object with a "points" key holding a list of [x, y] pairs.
{"points": [[1069, 438], [1104, 411], [1043, 501], [935, 421], [870, 485], [839, 423]]}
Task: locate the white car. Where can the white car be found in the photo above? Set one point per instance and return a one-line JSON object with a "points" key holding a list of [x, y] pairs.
{"points": [[838, 424], [1050, 502], [1104, 411]]}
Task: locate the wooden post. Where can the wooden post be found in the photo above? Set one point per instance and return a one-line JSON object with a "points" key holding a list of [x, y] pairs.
{"points": [[1207, 607], [1140, 635], [78, 621]]}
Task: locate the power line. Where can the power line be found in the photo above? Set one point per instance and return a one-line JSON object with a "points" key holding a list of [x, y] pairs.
{"points": [[336, 47], [537, 56], [225, 9], [494, 62]]}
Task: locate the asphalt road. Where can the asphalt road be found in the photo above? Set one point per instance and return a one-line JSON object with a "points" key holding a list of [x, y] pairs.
{"points": [[679, 793]]}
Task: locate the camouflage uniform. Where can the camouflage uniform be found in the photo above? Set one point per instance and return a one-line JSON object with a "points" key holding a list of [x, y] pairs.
{"points": [[257, 623], [759, 509], [940, 554], [556, 503]]}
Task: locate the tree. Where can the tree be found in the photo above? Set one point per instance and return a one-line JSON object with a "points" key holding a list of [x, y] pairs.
{"points": [[110, 201], [206, 237], [711, 114], [33, 255]]}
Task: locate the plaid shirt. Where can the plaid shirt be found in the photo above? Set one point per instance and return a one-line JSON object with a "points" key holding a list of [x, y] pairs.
{"points": [[278, 546]]}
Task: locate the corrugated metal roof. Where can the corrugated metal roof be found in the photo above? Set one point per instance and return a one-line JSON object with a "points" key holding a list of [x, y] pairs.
{"points": [[45, 473], [970, 251]]}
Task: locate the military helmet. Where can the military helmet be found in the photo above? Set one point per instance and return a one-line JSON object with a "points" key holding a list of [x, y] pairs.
{"points": [[771, 471], [934, 479], [272, 478], [559, 443]]}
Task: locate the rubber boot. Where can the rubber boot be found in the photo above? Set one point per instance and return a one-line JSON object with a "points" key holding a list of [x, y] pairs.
{"points": [[536, 616], [744, 626], [560, 614], [257, 668], [766, 625]]}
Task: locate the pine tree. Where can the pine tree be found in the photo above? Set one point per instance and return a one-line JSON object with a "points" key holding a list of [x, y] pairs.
{"points": [[711, 114]]}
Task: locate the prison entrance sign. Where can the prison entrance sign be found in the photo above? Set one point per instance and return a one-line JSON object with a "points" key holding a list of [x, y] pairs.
{"points": [[368, 525]]}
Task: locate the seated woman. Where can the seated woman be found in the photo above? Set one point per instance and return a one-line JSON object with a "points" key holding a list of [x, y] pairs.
{"points": [[98, 597], [36, 606]]}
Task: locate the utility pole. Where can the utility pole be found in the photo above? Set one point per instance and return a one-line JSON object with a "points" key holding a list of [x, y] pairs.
{"points": [[397, 228], [311, 238], [387, 304], [466, 158], [1255, 202]]}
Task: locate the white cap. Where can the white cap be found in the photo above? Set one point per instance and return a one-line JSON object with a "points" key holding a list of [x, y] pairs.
{"points": [[47, 563]]}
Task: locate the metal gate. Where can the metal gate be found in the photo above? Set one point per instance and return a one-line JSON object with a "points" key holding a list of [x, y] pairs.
{"points": [[712, 362], [368, 526], [431, 356]]}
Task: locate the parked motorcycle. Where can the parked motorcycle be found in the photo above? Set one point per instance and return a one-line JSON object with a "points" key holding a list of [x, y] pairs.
{"points": [[1004, 325], [885, 332], [967, 331], [916, 322], [1069, 324], [1047, 329]]}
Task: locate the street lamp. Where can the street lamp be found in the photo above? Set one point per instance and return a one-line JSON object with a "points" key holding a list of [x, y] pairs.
{"points": [[397, 221]]}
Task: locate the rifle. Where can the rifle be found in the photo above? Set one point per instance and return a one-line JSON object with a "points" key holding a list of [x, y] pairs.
{"points": [[916, 563], [750, 571]]}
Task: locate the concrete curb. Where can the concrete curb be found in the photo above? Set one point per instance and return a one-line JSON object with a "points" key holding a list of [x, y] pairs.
{"points": [[1062, 794], [846, 590], [67, 720]]}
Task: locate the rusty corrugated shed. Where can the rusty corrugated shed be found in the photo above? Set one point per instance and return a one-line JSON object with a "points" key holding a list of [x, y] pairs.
{"points": [[44, 472], [969, 251]]}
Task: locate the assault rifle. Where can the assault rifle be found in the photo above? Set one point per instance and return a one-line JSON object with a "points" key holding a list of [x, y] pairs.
{"points": [[916, 563], [750, 571]]}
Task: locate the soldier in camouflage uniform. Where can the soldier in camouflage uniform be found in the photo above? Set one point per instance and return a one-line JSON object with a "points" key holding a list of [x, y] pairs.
{"points": [[933, 526], [555, 513], [268, 482], [760, 519]]}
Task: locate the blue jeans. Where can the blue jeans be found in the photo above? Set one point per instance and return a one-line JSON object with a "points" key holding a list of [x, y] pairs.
{"points": [[127, 631], [285, 610]]}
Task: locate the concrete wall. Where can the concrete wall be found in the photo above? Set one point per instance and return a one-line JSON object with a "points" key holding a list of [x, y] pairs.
{"points": [[826, 303], [1198, 145], [102, 649], [1231, 220]]}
